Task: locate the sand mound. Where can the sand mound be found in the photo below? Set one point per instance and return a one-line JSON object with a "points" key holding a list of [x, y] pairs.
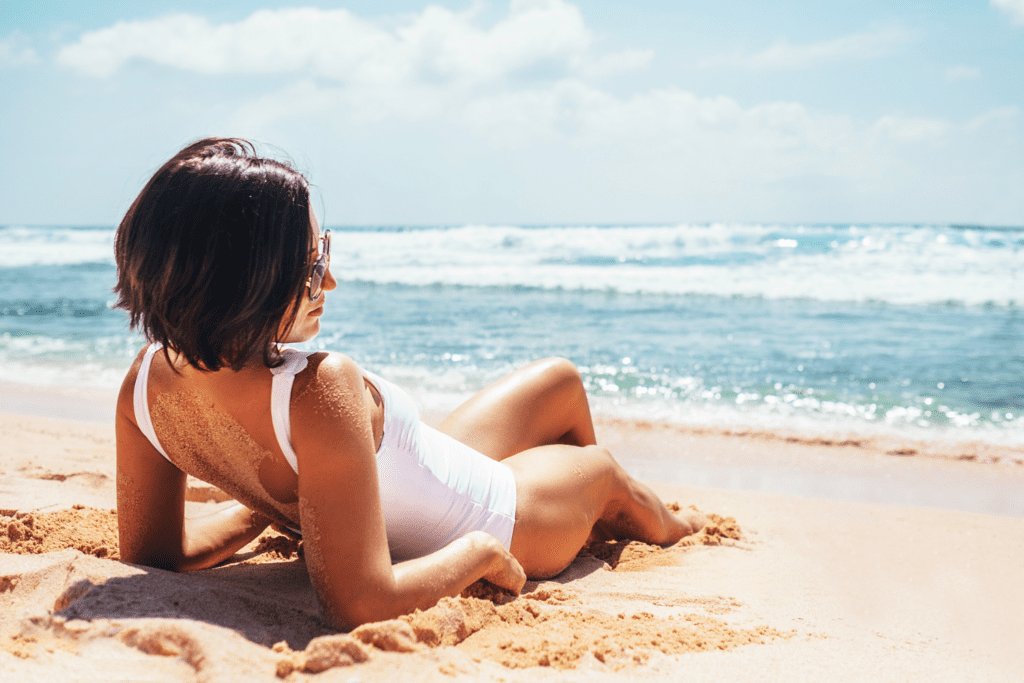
{"points": [[94, 532], [528, 632], [91, 531], [264, 596], [525, 634], [271, 547], [633, 556]]}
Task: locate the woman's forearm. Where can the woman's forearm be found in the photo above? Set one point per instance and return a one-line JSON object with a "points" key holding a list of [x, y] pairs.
{"points": [[420, 583], [211, 539]]}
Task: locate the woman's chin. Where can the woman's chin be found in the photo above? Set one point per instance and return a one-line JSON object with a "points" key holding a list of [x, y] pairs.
{"points": [[309, 329]]}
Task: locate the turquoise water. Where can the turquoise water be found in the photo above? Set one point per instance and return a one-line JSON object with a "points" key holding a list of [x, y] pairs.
{"points": [[917, 329]]}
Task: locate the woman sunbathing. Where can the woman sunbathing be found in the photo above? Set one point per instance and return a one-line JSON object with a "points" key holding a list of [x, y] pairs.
{"points": [[221, 261]]}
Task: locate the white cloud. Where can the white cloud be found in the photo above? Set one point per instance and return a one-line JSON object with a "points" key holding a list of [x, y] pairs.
{"points": [[537, 39], [771, 140], [705, 140], [1013, 8], [521, 93], [16, 51], [1001, 118], [856, 47], [911, 129], [267, 42], [962, 73]]}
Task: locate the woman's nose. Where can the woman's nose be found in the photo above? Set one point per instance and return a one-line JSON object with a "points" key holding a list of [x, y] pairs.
{"points": [[329, 281]]}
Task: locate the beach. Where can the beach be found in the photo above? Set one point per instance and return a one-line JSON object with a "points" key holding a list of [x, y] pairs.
{"points": [[782, 246], [781, 586], [843, 401]]}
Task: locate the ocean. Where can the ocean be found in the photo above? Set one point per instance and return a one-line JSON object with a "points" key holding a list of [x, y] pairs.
{"points": [[914, 329]]}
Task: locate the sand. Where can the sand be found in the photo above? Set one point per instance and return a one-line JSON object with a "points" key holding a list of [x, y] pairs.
{"points": [[780, 587]]}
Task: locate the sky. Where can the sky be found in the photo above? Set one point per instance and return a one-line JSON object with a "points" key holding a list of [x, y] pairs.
{"points": [[529, 111]]}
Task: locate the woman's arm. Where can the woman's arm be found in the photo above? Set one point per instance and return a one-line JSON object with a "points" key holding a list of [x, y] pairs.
{"points": [[211, 539], [152, 526], [342, 521]]}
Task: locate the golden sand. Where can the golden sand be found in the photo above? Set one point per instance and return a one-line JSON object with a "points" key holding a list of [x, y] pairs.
{"points": [[547, 627], [807, 590], [90, 531]]}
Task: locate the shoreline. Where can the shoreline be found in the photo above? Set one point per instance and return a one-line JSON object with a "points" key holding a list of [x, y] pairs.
{"points": [[984, 443], [82, 404], [971, 476], [865, 470]]}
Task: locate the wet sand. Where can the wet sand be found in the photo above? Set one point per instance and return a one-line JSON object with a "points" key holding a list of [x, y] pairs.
{"points": [[800, 584]]}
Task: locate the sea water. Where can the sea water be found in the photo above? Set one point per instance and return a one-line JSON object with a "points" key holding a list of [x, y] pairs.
{"points": [[912, 328]]}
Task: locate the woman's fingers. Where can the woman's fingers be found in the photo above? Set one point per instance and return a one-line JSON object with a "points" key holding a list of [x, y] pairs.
{"points": [[507, 573]]}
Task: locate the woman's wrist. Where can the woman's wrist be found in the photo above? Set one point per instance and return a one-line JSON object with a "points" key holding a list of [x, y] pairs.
{"points": [[498, 565], [486, 546], [258, 520]]}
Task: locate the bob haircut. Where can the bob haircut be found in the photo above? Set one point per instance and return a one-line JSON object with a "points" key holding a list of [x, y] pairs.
{"points": [[213, 253]]}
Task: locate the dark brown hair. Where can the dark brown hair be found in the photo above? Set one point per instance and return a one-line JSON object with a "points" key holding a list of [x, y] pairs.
{"points": [[213, 252]]}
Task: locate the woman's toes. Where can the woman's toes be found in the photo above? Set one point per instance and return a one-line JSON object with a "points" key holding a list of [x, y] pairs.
{"points": [[696, 520]]}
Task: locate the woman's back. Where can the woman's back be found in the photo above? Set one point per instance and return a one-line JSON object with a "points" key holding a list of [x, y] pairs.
{"points": [[217, 426]]}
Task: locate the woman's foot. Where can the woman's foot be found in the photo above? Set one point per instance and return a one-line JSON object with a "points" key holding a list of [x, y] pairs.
{"points": [[693, 519]]}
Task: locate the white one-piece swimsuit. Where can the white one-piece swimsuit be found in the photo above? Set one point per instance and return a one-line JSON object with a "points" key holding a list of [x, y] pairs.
{"points": [[433, 488]]}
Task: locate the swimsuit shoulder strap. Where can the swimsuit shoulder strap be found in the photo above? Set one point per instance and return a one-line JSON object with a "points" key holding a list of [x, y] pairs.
{"points": [[281, 401], [141, 400]]}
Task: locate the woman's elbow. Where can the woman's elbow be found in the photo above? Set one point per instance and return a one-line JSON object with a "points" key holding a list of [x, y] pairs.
{"points": [[155, 561], [354, 612], [347, 617], [147, 555]]}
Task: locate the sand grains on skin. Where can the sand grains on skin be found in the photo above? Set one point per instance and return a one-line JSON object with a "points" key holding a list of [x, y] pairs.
{"points": [[191, 426]]}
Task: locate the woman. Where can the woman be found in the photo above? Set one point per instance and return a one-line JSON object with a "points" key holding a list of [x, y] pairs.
{"points": [[220, 260]]}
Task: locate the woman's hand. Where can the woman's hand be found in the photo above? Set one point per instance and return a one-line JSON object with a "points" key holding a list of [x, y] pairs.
{"points": [[504, 570]]}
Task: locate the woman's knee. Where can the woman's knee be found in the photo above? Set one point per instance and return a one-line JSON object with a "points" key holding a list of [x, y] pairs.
{"points": [[616, 482], [604, 470], [560, 372], [566, 478], [599, 454]]}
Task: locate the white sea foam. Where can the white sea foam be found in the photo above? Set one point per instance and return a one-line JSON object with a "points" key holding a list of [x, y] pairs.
{"points": [[893, 264], [44, 360], [79, 375], [37, 246], [900, 265], [780, 416]]}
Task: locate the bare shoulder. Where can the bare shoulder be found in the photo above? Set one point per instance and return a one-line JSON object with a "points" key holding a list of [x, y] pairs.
{"points": [[328, 402], [328, 375]]}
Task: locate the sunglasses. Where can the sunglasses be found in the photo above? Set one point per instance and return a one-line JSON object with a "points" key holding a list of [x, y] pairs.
{"points": [[320, 266]]}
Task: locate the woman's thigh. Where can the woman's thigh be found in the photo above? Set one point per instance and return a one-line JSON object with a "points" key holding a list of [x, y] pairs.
{"points": [[561, 492], [540, 404]]}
